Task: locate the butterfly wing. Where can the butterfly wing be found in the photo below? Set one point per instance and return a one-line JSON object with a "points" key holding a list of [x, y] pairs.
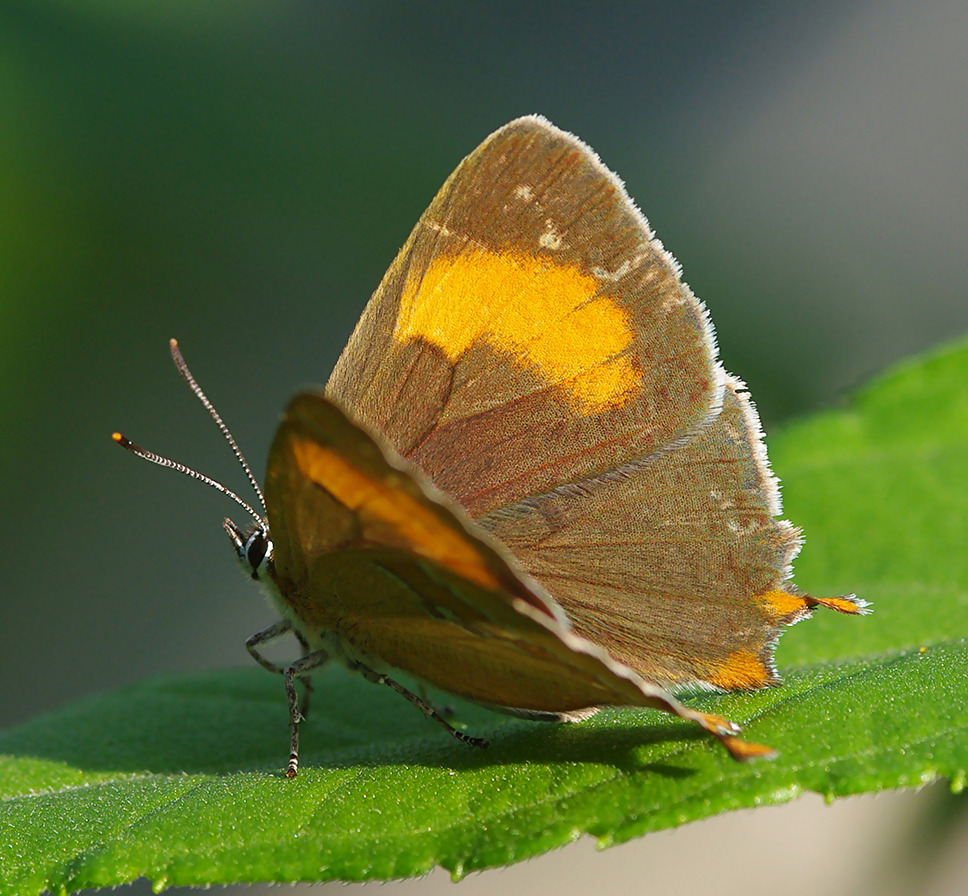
{"points": [[364, 546], [532, 331], [676, 563], [533, 351], [331, 488]]}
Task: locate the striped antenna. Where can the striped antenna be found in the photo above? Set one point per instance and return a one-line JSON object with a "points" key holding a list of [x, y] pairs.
{"points": [[162, 461]]}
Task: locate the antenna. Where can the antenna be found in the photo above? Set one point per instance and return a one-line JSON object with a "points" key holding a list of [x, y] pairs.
{"points": [[200, 395], [128, 445], [162, 461]]}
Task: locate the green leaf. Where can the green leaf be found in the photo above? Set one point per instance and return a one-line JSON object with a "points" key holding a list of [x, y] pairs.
{"points": [[179, 779]]}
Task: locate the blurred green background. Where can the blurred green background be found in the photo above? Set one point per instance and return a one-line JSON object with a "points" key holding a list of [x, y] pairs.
{"points": [[239, 174]]}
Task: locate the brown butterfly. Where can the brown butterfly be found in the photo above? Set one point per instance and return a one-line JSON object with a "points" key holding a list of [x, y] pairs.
{"points": [[529, 481]]}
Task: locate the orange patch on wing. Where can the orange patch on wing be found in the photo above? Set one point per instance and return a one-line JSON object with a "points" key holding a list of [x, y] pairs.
{"points": [[742, 669], [782, 604], [551, 316], [374, 500]]}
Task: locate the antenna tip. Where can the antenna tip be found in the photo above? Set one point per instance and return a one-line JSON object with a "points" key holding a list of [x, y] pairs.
{"points": [[120, 439], [173, 343]]}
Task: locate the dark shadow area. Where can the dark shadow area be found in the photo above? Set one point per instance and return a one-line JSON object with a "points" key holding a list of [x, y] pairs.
{"points": [[236, 721]]}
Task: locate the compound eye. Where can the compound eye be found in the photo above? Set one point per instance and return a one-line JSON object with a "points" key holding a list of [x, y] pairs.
{"points": [[255, 549]]}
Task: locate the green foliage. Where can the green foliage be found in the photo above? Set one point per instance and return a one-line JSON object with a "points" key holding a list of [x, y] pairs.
{"points": [[179, 779]]}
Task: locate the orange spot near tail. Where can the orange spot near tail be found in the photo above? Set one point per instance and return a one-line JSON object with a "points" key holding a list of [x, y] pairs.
{"points": [[790, 607], [782, 605], [742, 669]]}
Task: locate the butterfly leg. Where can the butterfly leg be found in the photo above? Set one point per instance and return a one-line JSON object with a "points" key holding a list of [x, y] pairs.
{"points": [[422, 705], [307, 683], [444, 709], [299, 669], [268, 634], [273, 633]]}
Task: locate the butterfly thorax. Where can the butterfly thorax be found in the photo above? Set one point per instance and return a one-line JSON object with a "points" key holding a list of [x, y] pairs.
{"points": [[254, 549]]}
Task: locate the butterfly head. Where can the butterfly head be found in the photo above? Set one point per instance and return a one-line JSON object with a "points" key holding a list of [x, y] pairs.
{"points": [[253, 546]]}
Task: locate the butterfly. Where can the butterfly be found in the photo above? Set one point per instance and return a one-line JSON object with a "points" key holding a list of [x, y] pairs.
{"points": [[529, 481]]}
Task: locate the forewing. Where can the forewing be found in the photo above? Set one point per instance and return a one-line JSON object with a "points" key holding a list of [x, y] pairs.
{"points": [[532, 331], [331, 487]]}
